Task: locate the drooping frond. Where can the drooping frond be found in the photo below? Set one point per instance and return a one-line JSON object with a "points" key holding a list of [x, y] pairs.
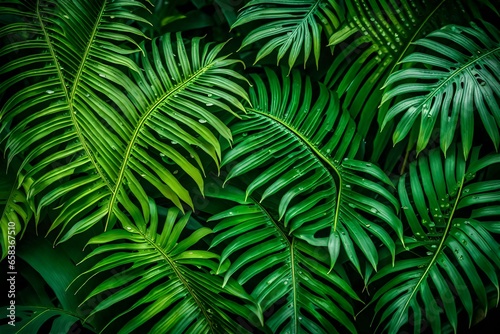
{"points": [[452, 213], [297, 148], [455, 77], [295, 26], [294, 278], [167, 275]]}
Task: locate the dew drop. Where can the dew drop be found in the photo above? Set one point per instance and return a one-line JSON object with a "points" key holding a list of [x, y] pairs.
{"points": [[202, 121], [49, 91]]}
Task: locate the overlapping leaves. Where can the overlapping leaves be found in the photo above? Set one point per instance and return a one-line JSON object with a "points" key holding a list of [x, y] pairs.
{"points": [[162, 281], [295, 26], [453, 214], [298, 149], [295, 286], [452, 80], [93, 134], [372, 41], [376, 35]]}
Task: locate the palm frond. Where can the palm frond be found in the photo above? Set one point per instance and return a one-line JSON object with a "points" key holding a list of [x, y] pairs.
{"points": [[457, 75], [295, 28], [373, 40], [454, 255], [294, 278], [98, 132], [298, 148], [162, 279]]}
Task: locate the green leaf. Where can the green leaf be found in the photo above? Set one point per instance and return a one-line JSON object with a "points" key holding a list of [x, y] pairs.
{"points": [[296, 147], [165, 280], [295, 26], [97, 128], [15, 212], [453, 255], [296, 280], [457, 86]]}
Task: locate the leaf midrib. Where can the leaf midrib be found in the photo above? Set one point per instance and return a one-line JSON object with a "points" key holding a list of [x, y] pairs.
{"points": [[291, 247], [410, 41], [128, 152], [181, 279], [304, 19], [464, 68], [69, 98], [48, 309], [318, 155], [438, 251]]}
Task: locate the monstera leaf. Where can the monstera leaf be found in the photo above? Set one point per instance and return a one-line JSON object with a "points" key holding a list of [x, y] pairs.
{"points": [[301, 152], [453, 214]]}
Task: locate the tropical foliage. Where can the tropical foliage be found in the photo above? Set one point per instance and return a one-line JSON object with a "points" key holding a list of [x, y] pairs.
{"points": [[250, 167]]}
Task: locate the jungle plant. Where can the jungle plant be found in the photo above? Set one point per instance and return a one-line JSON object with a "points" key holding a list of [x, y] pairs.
{"points": [[250, 167]]}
